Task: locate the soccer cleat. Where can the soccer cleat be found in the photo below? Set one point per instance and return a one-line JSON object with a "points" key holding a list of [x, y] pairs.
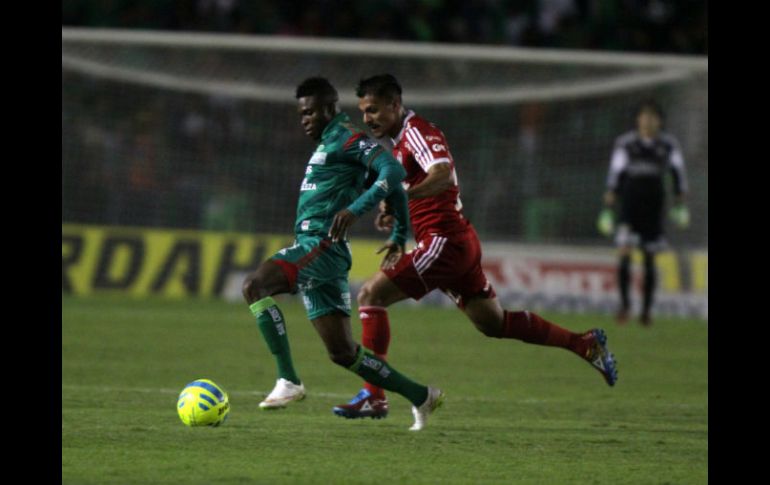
{"points": [[283, 393], [363, 406], [434, 401], [599, 356]]}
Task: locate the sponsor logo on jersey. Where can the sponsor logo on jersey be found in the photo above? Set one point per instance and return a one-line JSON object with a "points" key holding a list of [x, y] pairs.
{"points": [[308, 170], [367, 146], [306, 186], [438, 147], [433, 138], [305, 225], [318, 158]]}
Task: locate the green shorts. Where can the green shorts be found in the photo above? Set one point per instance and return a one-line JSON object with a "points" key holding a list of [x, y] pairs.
{"points": [[318, 268]]}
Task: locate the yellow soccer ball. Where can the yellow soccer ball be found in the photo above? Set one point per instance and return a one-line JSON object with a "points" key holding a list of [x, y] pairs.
{"points": [[203, 403]]}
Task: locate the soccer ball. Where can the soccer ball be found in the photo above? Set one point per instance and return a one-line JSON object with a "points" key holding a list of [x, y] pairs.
{"points": [[203, 403]]}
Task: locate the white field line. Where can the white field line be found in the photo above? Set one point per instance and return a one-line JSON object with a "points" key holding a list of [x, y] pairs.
{"points": [[334, 395], [311, 393]]}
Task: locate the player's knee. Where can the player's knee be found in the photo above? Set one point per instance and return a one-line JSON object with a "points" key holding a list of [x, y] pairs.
{"points": [[252, 288], [367, 297]]}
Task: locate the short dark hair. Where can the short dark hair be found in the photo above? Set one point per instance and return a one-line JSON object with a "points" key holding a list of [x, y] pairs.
{"points": [[382, 86], [319, 87], [650, 105]]}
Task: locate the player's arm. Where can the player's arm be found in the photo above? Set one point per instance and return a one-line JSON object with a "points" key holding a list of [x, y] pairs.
{"points": [[438, 180], [606, 221], [433, 158], [395, 205], [679, 213], [618, 165], [676, 162], [390, 173]]}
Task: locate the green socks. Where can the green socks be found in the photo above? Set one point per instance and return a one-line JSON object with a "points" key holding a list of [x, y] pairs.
{"points": [[378, 372], [273, 327], [373, 369]]}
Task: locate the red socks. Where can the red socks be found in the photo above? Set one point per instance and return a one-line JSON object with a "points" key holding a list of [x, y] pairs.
{"points": [[533, 329], [375, 337]]}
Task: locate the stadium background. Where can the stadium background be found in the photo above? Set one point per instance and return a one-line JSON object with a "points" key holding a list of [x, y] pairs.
{"points": [[197, 130]]}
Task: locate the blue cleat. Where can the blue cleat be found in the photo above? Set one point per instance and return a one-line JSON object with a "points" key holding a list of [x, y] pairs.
{"points": [[600, 357], [364, 405]]}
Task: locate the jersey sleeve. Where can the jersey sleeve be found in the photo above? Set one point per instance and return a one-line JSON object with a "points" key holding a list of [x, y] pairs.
{"points": [[427, 145], [360, 148], [676, 162], [618, 165], [364, 150]]}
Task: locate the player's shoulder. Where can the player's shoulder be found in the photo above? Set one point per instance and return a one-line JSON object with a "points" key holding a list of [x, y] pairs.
{"points": [[626, 139], [345, 136], [669, 140], [416, 125]]}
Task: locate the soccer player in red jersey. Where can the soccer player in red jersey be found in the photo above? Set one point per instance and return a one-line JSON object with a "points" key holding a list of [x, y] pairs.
{"points": [[448, 252]]}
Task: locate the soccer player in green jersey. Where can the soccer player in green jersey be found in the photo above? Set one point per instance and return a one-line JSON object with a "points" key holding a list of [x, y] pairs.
{"points": [[331, 197]]}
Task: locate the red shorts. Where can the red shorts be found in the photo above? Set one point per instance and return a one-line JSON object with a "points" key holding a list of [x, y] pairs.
{"points": [[450, 263]]}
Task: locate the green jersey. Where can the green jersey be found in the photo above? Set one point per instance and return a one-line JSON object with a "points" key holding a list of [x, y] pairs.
{"points": [[335, 176]]}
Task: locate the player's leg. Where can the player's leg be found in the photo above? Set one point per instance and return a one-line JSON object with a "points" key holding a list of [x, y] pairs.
{"points": [[650, 279], [652, 244], [334, 329], [493, 321], [271, 278], [380, 291], [475, 296], [625, 243], [374, 297], [652, 241]]}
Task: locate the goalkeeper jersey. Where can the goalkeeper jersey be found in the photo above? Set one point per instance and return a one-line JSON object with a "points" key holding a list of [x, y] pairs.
{"points": [[637, 171], [335, 176]]}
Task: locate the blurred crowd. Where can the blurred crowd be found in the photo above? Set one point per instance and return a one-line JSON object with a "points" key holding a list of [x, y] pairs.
{"points": [[673, 26]]}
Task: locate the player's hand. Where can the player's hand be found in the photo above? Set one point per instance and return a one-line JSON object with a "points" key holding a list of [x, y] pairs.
{"points": [[384, 220], [606, 222], [393, 254], [680, 215], [340, 224]]}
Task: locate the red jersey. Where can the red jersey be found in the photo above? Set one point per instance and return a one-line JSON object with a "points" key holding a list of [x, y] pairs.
{"points": [[418, 146]]}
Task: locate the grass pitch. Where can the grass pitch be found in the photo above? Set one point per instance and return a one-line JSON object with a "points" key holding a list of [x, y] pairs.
{"points": [[514, 413]]}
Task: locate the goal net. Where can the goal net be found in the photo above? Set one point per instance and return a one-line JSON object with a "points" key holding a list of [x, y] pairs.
{"points": [[201, 131]]}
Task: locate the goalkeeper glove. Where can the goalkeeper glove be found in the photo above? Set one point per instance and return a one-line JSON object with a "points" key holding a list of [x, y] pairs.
{"points": [[606, 222], [680, 215]]}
